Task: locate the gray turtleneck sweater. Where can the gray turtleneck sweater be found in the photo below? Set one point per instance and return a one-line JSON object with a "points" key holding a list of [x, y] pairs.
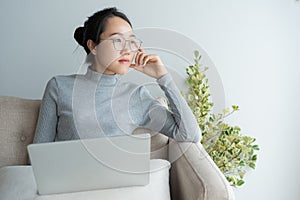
{"points": [[95, 105]]}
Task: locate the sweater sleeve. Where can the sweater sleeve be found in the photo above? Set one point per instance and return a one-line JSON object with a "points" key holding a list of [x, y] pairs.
{"points": [[48, 116], [179, 122]]}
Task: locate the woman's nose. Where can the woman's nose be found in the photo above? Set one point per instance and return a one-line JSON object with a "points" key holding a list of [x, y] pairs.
{"points": [[127, 47]]}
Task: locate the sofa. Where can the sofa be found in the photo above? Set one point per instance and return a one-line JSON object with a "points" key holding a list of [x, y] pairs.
{"points": [[192, 175]]}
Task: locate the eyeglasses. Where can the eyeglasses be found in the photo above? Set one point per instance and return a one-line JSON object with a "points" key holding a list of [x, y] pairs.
{"points": [[120, 43]]}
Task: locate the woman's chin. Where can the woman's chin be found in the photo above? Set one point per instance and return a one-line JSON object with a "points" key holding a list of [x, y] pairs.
{"points": [[121, 72]]}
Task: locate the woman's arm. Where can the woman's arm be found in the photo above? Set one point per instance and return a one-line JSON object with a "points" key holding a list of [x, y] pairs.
{"points": [[48, 116], [179, 122]]}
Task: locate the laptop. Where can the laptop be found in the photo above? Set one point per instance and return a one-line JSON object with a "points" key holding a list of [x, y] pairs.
{"points": [[91, 164]]}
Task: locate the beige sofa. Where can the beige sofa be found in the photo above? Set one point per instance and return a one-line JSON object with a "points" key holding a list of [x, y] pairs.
{"points": [[193, 175]]}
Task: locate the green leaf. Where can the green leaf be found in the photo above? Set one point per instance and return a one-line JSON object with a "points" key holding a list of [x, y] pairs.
{"points": [[242, 163], [254, 158], [252, 165], [235, 107], [196, 53], [240, 182], [255, 147], [241, 174]]}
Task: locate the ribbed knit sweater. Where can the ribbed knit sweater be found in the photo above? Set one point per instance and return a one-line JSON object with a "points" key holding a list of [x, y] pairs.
{"points": [[95, 105]]}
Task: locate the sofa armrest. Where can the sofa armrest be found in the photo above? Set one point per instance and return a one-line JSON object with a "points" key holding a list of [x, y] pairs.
{"points": [[194, 174]]}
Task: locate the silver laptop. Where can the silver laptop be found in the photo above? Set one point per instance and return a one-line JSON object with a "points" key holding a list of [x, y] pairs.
{"points": [[90, 164]]}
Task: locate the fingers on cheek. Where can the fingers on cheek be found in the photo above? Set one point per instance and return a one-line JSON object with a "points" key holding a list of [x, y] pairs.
{"points": [[141, 58], [137, 58], [145, 60]]}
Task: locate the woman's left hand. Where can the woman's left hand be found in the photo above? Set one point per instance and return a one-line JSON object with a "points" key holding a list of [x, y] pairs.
{"points": [[149, 64]]}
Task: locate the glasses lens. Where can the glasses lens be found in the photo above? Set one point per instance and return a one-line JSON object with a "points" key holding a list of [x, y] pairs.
{"points": [[135, 44], [119, 43]]}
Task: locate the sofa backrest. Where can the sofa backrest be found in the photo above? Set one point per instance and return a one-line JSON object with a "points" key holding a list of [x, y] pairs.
{"points": [[18, 118]]}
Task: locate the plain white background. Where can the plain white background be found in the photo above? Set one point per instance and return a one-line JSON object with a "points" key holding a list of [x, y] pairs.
{"points": [[254, 45]]}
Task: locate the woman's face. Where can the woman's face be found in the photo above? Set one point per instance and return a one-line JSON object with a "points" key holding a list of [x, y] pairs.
{"points": [[108, 59]]}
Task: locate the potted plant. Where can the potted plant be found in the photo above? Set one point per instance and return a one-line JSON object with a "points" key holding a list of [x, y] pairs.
{"points": [[232, 152]]}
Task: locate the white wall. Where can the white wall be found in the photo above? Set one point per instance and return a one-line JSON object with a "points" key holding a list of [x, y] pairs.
{"points": [[254, 45]]}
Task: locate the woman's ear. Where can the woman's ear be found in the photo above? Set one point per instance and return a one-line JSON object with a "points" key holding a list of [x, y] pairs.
{"points": [[92, 46]]}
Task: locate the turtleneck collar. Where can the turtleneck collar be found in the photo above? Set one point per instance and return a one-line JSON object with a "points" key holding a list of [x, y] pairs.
{"points": [[102, 79]]}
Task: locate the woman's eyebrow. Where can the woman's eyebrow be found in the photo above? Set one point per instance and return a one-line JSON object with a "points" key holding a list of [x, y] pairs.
{"points": [[132, 35]]}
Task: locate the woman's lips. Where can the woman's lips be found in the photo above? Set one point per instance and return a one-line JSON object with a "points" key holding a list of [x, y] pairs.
{"points": [[123, 60]]}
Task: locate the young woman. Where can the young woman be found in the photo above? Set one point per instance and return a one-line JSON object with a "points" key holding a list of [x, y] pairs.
{"points": [[108, 38]]}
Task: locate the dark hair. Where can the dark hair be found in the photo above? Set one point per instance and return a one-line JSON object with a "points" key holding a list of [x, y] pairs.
{"points": [[95, 25]]}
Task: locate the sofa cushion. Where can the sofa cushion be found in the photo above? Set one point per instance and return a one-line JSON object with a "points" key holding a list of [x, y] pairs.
{"points": [[17, 183], [18, 119]]}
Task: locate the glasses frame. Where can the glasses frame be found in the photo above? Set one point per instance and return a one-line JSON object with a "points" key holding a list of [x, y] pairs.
{"points": [[113, 39]]}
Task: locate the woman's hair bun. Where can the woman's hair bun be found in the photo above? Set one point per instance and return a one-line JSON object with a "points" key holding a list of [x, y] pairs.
{"points": [[78, 35]]}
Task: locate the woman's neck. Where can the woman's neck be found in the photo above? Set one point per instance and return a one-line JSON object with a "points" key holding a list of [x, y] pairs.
{"points": [[100, 70]]}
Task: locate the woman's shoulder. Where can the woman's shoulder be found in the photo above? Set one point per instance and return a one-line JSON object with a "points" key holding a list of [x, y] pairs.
{"points": [[63, 78], [61, 81]]}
